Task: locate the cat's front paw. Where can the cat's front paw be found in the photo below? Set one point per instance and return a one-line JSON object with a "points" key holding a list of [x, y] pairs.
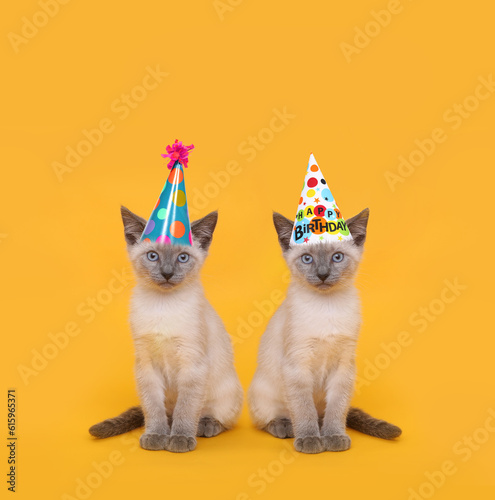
{"points": [[150, 441], [180, 444], [280, 428], [309, 444], [337, 442], [209, 427]]}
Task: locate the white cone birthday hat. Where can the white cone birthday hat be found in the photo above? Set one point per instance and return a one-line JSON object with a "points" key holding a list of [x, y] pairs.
{"points": [[318, 217]]}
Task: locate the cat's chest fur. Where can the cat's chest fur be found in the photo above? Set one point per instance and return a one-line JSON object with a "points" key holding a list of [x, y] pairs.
{"points": [[324, 317], [165, 315], [322, 329]]}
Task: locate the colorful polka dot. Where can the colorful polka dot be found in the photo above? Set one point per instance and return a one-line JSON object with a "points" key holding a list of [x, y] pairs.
{"points": [[163, 239], [319, 225], [301, 231], [309, 211], [320, 210], [300, 200], [310, 193], [162, 213], [333, 227], [175, 176], [147, 239], [180, 198], [330, 214], [190, 238], [344, 229], [312, 182], [157, 203], [177, 229], [327, 195], [149, 227], [314, 168]]}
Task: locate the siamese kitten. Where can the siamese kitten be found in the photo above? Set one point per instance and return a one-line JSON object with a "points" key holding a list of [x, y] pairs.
{"points": [[184, 367], [306, 362]]}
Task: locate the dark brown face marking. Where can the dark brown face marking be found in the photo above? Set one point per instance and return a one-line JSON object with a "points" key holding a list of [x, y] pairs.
{"points": [[283, 227], [167, 266], [327, 264], [357, 226], [133, 225], [202, 230]]}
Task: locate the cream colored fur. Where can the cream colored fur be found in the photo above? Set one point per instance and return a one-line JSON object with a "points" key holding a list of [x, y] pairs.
{"points": [[306, 362], [184, 357]]}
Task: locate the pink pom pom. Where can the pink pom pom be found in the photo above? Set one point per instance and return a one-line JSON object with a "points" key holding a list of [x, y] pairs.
{"points": [[177, 152]]}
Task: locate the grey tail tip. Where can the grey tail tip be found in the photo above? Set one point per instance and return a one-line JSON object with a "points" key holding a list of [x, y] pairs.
{"points": [[127, 421], [361, 421]]}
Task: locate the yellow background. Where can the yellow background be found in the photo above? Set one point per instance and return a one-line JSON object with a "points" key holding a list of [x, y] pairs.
{"points": [[61, 240]]}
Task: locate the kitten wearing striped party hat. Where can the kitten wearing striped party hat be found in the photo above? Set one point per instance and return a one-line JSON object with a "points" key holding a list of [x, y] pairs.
{"points": [[304, 381], [184, 366]]}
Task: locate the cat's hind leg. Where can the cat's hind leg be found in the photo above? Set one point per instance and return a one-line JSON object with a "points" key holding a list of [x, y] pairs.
{"points": [[223, 404], [280, 427], [268, 411], [209, 427]]}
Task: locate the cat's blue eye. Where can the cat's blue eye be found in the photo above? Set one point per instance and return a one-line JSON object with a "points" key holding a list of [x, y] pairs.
{"points": [[307, 259], [338, 257], [183, 257], [153, 256]]}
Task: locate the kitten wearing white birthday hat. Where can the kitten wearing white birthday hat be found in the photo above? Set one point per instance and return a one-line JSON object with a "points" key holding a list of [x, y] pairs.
{"points": [[305, 376]]}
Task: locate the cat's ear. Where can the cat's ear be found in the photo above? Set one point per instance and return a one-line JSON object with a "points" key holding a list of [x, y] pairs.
{"points": [[357, 226], [202, 230], [133, 225], [284, 228]]}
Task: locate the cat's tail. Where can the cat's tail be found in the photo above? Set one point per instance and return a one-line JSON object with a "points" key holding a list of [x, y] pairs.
{"points": [[360, 421], [127, 421], [133, 418]]}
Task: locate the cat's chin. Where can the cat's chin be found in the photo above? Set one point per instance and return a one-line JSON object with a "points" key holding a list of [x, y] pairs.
{"points": [[323, 287], [165, 286]]}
